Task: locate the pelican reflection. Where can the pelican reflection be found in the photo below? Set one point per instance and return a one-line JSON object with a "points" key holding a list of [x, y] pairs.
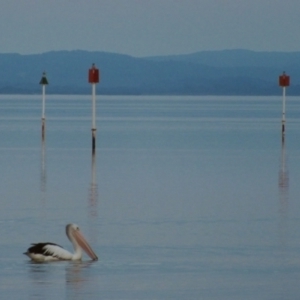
{"points": [[78, 275], [75, 272]]}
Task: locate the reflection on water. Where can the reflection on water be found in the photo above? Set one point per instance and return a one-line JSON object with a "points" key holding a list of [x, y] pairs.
{"points": [[38, 272], [184, 212], [93, 193], [283, 185], [283, 181], [41, 276], [77, 277], [43, 179], [93, 203], [75, 273], [45, 275], [43, 171]]}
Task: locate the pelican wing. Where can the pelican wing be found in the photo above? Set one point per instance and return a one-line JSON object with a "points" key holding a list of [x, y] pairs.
{"points": [[48, 251]]}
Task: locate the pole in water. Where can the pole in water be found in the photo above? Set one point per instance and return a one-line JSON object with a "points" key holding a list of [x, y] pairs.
{"points": [[284, 81], [43, 82], [93, 140], [93, 79], [283, 112]]}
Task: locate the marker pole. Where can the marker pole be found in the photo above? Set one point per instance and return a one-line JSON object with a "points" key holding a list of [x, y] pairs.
{"points": [[43, 82], [93, 79], [284, 81], [94, 117], [283, 113]]}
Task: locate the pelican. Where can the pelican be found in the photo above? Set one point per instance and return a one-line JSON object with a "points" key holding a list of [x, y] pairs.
{"points": [[52, 252]]}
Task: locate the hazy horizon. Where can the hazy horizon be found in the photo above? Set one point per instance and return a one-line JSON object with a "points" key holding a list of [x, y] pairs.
{"points": [[170, 54], [149, 28]]}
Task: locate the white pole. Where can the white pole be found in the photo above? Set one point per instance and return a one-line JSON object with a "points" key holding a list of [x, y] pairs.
{"points": [[43, 109], [94, 116], [94, 106], [283, 113], [43, 104]]}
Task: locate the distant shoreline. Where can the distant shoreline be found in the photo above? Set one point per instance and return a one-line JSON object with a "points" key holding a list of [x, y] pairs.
{"points": [[227, 72]]}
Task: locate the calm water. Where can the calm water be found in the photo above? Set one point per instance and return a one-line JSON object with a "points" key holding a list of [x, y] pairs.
{"points": [[186, 197]]}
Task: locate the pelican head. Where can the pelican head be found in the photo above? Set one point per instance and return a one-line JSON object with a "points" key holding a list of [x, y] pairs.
{"points": [[79, 242]]}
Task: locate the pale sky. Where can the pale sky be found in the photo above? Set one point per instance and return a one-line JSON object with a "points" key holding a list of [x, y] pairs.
{"points": [[149, 27]]}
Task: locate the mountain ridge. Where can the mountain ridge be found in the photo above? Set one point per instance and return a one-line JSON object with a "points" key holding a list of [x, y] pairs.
{"points": [[225, 72]]}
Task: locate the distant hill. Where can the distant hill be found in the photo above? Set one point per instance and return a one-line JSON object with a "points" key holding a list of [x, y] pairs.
{"points": [[228, 72], [237, 58]]}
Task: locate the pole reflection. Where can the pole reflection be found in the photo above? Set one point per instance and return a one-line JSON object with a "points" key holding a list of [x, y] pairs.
{"points": [[93, 203], [283, 185], [43, 176], [93, 193]]}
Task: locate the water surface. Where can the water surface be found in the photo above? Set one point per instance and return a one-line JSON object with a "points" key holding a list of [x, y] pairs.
{"points": [[185, 198]]}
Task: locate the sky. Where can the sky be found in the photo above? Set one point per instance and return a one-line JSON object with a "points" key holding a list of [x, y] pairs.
{"points": [[148, 27]]}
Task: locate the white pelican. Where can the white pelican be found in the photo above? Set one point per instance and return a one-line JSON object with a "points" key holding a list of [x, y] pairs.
{"points": [[53, 252]]}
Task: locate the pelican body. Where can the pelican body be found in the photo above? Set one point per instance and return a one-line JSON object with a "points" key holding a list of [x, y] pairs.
{"points": [[52, 252]]}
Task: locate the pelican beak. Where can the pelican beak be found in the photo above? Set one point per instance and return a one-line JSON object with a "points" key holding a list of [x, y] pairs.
{"points": [[82, 242]]}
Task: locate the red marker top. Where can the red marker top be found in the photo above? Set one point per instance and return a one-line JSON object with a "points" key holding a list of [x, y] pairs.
{"points": [[284, 80], [94, 74]]}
